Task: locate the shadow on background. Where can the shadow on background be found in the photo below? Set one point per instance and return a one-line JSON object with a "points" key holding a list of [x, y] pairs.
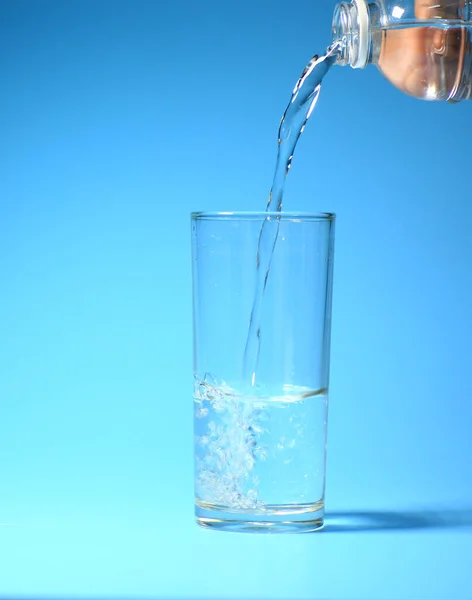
{"points": [[356, 521]]}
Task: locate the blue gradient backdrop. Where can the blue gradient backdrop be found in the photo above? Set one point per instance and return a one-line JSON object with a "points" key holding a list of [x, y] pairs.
{"points": [[116, 120]]}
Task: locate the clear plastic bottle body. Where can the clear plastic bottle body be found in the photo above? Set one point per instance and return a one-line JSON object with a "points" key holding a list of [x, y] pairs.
{"points": [[423, 47]]}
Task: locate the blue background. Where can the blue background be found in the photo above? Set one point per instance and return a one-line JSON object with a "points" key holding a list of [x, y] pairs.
{"points": [[119, 118]]}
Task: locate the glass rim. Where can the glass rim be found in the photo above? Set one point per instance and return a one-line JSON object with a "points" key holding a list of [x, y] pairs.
{"points": [[247, 215]]}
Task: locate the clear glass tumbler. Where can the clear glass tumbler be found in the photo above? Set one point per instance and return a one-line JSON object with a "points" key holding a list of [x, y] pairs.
{"points": [[262, 288]]}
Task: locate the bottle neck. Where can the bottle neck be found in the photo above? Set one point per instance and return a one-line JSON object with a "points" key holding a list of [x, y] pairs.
{"points": [[352, 33], [358, 24]]}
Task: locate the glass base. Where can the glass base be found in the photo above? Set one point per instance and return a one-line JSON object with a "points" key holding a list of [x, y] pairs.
{"points": [[275, 518]]}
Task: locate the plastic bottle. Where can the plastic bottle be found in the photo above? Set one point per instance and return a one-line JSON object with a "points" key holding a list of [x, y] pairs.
{"points": [[423, 47]]}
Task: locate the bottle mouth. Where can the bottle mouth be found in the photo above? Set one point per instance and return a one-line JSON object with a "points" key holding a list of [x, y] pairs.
{"points": [[340, 28], [350, 29]]}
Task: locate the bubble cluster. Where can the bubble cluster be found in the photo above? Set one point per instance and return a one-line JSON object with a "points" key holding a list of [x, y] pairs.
{"points": [[228, 450]]}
